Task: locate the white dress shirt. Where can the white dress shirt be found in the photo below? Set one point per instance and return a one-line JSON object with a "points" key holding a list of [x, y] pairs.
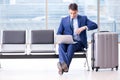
{"points": [[75, 27]]}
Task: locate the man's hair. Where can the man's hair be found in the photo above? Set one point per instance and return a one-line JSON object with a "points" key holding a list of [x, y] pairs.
{"points": [[73, 6]]}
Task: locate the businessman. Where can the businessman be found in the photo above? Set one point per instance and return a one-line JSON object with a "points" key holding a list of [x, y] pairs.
{"points": [[75, 25]]}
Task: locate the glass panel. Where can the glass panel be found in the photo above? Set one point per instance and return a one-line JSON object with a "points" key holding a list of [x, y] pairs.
{"points": [[91, 12], [22, 14], [59, 8], [110, 15], [56, 10]]}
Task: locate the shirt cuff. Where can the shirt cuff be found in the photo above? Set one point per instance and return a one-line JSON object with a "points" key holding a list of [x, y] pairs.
{"points": [[86, 27]]}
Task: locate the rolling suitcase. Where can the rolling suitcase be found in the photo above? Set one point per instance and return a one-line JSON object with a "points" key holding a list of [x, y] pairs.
{"points": [[104, 50]]}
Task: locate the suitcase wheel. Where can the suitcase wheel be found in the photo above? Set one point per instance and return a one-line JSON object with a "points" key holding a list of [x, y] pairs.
{"points": [[93, 68], [97, 69], [116, 68]]}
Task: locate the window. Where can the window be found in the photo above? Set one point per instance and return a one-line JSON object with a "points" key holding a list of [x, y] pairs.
{"points": [[47, 14], [22, 14], [110, 16]]}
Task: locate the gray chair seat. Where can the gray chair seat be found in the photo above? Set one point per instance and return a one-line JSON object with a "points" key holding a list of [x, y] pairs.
{"points": [[13, 41], [44, 38], [42, 51], [12, 52]]}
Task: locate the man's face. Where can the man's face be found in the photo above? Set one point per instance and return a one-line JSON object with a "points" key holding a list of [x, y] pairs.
{"points": [[73, 13]]}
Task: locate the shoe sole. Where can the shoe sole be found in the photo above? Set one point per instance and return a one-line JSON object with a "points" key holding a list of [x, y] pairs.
{"points": [[60, 69]]}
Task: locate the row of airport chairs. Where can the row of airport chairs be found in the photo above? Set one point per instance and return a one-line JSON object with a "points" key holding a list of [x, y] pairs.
{"points": [[39, 44], [16, 42]]}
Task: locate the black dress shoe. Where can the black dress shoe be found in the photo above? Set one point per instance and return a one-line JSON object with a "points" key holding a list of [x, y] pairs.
{"points": [[60, 68], [64, 67]]}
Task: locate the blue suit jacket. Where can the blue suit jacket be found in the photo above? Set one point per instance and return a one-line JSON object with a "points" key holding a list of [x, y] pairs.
{"points": [[65, 28]]}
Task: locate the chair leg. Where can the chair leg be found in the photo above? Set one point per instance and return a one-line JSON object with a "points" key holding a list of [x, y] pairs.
{"points": [[0, 65], [86, 62]]}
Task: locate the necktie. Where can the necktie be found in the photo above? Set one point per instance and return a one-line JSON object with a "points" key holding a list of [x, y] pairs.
{"points": [[72, 25]]}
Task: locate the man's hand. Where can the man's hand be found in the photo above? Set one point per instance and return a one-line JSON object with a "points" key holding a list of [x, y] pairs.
{"points": [[79, 30]]}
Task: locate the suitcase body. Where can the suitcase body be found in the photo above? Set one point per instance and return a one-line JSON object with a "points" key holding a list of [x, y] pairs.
{"points": [[104, 50]]}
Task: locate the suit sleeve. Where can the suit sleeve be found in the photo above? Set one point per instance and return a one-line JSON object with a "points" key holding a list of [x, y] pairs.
{"points": [[60, 29], [90, 24]]}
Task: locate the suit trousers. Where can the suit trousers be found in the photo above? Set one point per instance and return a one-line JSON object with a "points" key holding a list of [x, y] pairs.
{"points": [[66, 52]]}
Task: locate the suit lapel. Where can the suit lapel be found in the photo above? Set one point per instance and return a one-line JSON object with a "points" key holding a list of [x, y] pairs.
{"points": [[69, 24], [79, 20]]}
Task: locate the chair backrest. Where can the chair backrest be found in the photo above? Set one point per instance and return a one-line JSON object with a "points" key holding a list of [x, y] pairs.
{"points": [[42, 37], [14, 37]]}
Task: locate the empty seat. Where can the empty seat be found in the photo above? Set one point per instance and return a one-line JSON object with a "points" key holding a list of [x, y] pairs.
{"points": [[13, 41], [42, 41]]}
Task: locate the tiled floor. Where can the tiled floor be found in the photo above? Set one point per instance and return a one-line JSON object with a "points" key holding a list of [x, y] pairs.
{"points": [[46, 69]]}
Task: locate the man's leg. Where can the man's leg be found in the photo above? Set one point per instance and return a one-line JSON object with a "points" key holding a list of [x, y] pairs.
{"points": [[70, 53], [62, 53], [66, 53], [78, 46], [63, 59], [71, 49]]}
